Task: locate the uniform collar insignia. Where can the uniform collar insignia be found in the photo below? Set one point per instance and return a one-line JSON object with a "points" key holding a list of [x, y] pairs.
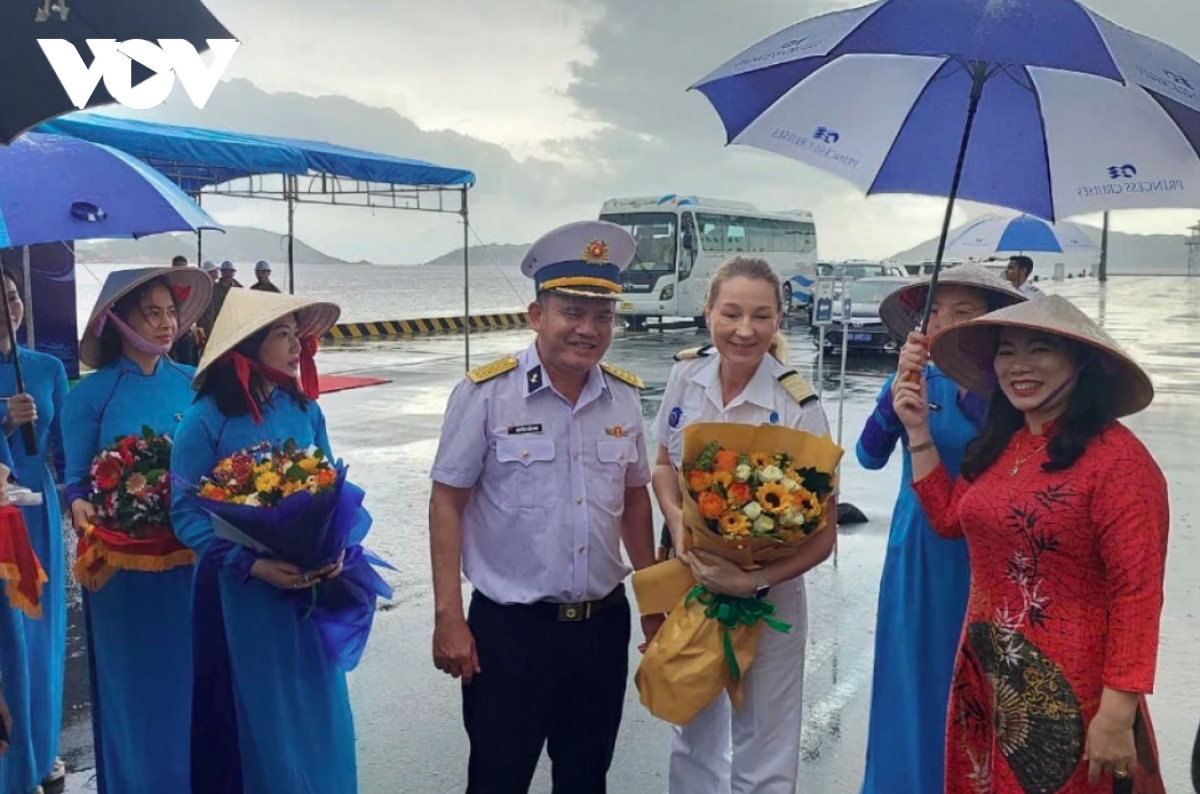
{"points": [[533, 379]]}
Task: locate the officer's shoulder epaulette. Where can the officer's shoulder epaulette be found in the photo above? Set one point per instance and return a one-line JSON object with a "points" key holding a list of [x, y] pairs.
{"points": [[623, 375], [492, 369], [795, 384], [694, 352]]}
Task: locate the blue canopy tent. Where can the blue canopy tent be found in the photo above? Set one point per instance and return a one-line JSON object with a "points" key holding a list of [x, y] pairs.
{"points": [[218, 162]]}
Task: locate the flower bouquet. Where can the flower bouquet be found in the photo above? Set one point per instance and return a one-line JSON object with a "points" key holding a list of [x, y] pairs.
{"points": [[130, 487], [295, 505], [751, 495]]}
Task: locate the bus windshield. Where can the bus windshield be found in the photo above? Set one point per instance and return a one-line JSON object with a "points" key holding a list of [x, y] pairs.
{"points": [[654, 233]]}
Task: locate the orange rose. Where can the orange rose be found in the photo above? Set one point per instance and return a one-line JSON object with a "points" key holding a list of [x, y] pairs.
{"points": [[739, 494], [699, 480], [711, 505], [726, 461]]}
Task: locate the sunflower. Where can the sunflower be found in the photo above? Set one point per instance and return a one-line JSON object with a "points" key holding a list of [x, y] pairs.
{"points": [[760, 460], [773, 497], [734, 524]]}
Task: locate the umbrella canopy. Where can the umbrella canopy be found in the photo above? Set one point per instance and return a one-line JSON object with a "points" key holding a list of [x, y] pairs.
{"points": [[57, 188], [1037, 105], [1023, 234], [30, 91], [1074, 114]]}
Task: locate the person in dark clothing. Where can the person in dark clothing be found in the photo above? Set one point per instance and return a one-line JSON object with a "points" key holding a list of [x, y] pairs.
{"points": [[262, 272]]}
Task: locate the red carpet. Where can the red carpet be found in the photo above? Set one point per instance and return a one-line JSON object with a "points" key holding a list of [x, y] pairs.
{"points": [[332, 383]]}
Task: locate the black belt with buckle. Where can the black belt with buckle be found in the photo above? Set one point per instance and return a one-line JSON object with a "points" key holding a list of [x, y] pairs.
{"points": [[586, 609], [569, 613]]}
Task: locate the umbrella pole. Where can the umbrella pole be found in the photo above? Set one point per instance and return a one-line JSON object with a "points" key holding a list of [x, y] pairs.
{"points": [[31, 446], [979, 77]]}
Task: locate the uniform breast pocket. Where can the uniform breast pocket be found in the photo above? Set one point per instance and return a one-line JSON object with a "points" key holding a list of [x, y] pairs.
{"points": [[613, 455], [526, 469]]}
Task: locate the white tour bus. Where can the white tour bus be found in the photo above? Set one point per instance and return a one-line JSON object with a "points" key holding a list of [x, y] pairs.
{"points": [[682, 240]]}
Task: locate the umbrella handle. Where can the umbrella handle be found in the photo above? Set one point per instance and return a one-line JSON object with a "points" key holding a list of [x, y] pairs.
{"points": [[31, 445], [1122, 785]]}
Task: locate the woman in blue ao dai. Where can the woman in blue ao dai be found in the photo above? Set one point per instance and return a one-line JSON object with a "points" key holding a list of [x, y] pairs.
{"points": [[139, 621], [33, 683], [926, 578], [261, 667]]}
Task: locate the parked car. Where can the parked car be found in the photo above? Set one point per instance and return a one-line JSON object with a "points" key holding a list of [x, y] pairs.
{"points": [[864, 332]]}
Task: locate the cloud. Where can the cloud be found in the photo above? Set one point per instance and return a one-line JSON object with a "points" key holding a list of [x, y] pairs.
{"points": [[556, 105]]}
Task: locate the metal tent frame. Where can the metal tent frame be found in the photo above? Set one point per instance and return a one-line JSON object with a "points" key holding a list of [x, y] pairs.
{"points": [[205, 162]]}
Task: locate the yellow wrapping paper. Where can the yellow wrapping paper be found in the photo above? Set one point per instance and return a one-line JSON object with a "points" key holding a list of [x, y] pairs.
{"points": [[684, 668]]}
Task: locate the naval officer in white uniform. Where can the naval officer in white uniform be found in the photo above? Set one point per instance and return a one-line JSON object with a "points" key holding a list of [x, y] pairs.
{"points": [[540, 476], [742, 377]]}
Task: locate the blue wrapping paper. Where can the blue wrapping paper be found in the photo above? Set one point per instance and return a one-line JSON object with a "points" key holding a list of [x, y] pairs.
{"points": [[311, 532]]}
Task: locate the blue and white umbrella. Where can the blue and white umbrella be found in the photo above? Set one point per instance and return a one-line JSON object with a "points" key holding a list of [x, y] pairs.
{"points": [[1041, 106], [993, 234]]}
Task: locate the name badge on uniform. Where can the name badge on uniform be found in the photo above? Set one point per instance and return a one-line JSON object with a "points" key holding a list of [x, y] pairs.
{"points": [[519, 430]]}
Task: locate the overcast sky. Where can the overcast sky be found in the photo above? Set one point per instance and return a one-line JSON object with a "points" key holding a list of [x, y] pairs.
{"points": [[556, 105]]}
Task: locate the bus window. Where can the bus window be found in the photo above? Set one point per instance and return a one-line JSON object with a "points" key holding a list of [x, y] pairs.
{"points": [[654, 234]]}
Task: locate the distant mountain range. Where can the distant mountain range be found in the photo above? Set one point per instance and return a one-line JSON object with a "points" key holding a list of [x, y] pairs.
{"points": [[1128, 254], [240, 244], [506, 256]]}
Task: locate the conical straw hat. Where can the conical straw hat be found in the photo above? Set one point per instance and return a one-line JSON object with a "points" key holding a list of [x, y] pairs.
{"points": [[966, 352], [189, 283], [901, 311], [245, 312]]}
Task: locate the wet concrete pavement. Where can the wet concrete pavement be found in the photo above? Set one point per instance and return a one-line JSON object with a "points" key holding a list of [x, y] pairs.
{"points": [[407, 713]]}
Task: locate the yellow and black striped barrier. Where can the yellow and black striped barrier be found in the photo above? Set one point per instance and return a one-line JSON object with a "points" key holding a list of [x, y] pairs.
{"points": [[426, 325]]}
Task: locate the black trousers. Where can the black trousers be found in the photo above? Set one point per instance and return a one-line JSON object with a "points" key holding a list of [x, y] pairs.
{"points": [[547, 683]]}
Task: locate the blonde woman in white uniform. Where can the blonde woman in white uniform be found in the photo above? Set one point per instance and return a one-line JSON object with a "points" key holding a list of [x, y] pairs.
{"points": [[742, 377]]}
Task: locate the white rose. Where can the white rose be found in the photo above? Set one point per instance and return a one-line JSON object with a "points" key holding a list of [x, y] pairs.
{"points": [[763, 524], [742, 473], [252, 501], [792, 518], [791, 485], [752, 511], [771, 474]]}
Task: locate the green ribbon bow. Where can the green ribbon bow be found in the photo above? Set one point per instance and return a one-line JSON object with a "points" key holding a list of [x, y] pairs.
{"points": [[731, 612]]}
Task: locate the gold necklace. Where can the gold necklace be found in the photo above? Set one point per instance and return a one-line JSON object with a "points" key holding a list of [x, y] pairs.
{"points": [[1022, 461]]}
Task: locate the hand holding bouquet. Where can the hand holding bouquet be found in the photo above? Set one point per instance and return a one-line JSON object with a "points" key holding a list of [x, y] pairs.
{"points": [[293, 506], [751, 495], [130, 488]]}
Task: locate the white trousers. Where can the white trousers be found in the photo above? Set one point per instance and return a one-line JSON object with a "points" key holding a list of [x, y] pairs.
{"points": [[756, 750]]}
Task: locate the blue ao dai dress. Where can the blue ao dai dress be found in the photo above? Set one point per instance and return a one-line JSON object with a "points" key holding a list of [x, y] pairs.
{"points": [[294, 724], [922, 602], [35, 691], [139, 623]]}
